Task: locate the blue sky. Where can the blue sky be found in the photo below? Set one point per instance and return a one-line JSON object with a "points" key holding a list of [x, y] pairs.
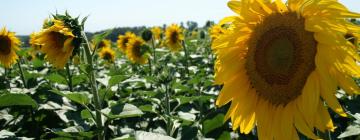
{"points": [[26, 16]]}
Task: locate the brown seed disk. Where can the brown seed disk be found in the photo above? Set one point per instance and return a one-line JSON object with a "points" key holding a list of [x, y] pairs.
{"points": [[280, 58], [5, 45]]}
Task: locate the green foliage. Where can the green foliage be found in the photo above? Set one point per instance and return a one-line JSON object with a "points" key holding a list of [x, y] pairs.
{"points": [[8, 99]]}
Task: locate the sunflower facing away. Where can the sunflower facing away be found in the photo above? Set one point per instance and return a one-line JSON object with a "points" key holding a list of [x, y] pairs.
{"points": [[107, 54], [9, 44], [56, 42], [280, 65], [137, 51], [174, 36], [123, 40]]}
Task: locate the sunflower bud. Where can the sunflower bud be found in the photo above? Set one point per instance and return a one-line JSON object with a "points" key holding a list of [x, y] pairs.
{"points": [[202, 34], [146, 35]]}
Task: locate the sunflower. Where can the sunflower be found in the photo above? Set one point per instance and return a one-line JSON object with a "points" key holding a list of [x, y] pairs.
{"points": [[124, 39], [137, 51], [9, 44], [30, 55], [279, 65], [104, 43], [107, 54], [33, 43], [194, 34], [156, 32], [56, 42], [174, 36], [216, 31]]}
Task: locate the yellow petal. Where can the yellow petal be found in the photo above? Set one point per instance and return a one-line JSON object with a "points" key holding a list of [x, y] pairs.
{"points": [[328, 89], [281, 7], [323, 120], [301, 125], [309, 98]]}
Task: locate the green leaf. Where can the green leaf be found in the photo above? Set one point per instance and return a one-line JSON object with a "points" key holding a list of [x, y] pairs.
{"points": [[124, 111], [56, 78], [184, 99], [83, 21], [188, 132], [77, 97], [17, 100], [86, 114], [122, 138], [225, 136], [38, 63], [4, 134], [142, 135], [211, 124], [74, 132], [186, 116], [101, 36], [78, 79], [146, 108], [351, 130], [114, 80]]}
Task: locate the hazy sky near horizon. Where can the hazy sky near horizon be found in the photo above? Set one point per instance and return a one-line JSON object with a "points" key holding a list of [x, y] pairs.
{"points": [[26, 16]]}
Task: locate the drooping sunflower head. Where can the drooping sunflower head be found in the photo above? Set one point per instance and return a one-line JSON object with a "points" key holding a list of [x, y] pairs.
{"points": [[137, 51], [156, 32], [9, 44], [60, 39], [174, 36], [215, 31], [107, 54], [280, 63], [123, 40], [57, 43]]}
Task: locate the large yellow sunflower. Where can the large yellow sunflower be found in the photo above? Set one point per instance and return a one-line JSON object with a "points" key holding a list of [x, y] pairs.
{"points": [[107, 54], [280, 65], [174, 36], [124, 39], [56, 42], [137, 51], [9, 44]]}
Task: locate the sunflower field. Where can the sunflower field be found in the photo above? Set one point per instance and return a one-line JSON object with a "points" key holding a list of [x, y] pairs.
{"points": [[274, 71]]}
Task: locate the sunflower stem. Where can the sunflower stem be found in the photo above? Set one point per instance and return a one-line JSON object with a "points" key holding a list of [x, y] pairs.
{"points": [[94, 89], [186, 57], [153, 47], [167, 106], [68, 72], [7, 79], [118, 85], [150, 67], [22, 74]]}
